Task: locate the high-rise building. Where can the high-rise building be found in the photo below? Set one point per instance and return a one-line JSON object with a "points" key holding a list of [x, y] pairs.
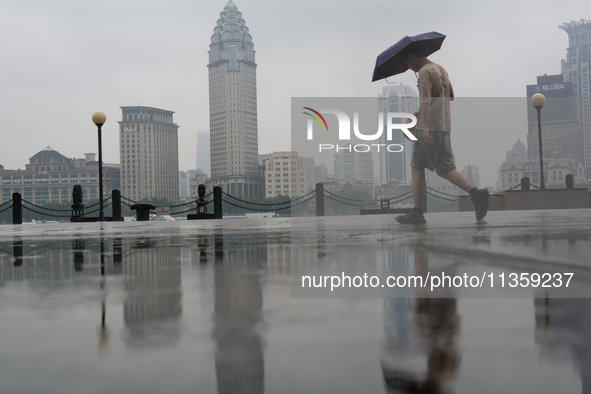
{"points": [[321, 173], [149, 153], [397, 98], [203, 161], [561, 130], [575, 69], [356, 165], [285, 174], [233, 106]]}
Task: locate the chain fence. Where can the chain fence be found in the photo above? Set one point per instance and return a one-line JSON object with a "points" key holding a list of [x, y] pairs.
{"points": [[346, 203], [27, 207], [401, 195], [7, 208], [98, 209], [441, 197], [326, 192], [440, 192], [270, 209], [128, 199], [268, 204], [409, 196], [45, 213]]}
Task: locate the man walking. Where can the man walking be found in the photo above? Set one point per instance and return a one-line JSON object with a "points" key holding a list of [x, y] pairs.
{"points": [[432, 149]]}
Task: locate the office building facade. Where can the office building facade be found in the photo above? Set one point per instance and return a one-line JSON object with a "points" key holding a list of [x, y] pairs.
{"points": [[397, 98], [149, 153], [285, 174], [561, 130], [575, 69], [233, 107], [355, 165], [50, 177]]}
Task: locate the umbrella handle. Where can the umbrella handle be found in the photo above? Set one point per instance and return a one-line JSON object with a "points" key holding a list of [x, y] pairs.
{"points": [[391, 83]]}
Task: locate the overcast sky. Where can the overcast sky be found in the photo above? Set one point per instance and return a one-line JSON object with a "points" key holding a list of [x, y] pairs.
{"points": [[60, 61]]}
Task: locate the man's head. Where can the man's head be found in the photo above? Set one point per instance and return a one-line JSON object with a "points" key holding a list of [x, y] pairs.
{"points": [[415, 61]]}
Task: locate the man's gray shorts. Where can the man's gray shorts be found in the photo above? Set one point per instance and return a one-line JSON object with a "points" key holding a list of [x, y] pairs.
{"points": [[437, 154]]}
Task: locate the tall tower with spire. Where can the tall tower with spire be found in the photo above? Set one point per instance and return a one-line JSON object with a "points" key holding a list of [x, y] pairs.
{"points": [[233, 107]]}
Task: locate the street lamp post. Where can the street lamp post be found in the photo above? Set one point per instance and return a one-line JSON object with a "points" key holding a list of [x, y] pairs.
{"points": [[99, 119], [538, 100]]}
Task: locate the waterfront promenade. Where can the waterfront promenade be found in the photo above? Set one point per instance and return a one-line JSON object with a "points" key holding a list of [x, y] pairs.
{"points": [[210, 306]]}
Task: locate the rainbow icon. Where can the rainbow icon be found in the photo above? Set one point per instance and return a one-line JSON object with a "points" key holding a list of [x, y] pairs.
{"points": [[315, 118]]}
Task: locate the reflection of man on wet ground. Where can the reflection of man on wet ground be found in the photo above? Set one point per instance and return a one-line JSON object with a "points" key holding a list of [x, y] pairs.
{"points": [[436, 326], [433, 150]]}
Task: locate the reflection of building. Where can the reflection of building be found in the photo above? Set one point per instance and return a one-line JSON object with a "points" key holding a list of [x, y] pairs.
{"points": [[53, 261], [238, 298], [576, 70], [356, 165], [561, 133], [152, 307], [285, 174], [397, 98], [233, 106], [563, 324], [420, 354], [50, 176], [149, 153], [282, 257]]}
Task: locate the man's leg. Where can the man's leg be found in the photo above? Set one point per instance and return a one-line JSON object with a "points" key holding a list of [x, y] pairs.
{"points": [[479, 197], [456, 178], [419, 186]]}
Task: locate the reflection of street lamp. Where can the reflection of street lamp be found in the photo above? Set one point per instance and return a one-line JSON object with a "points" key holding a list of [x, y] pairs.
{"points": [[99, 119], [538, 100]]}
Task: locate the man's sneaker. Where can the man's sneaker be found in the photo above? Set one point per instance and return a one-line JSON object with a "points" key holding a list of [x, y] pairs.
{"points": [[480, 201], [411, 218]]}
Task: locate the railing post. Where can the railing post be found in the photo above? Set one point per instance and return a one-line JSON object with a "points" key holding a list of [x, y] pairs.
{"points": [[116, 204], [525, 183], [570, 181], [217, 202], [17, 209], [17, 252], [319, 199], [219, 244], [425, 208]]}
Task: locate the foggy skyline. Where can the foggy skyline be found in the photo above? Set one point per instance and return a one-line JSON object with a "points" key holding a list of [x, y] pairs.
{"points": [[63, 60]]}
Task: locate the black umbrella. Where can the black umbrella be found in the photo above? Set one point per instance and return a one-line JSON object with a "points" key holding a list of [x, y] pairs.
{"points": [[391, 61]]}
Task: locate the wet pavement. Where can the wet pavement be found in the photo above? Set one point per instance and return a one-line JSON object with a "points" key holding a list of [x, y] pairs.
{"points": [[213, 307]]}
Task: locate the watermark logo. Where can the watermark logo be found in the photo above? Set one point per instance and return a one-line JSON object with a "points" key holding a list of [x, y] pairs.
{"points": [[344, 129]]}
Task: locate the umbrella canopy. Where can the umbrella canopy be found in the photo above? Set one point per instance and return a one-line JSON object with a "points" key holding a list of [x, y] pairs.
{"points": [[391, 61]]}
